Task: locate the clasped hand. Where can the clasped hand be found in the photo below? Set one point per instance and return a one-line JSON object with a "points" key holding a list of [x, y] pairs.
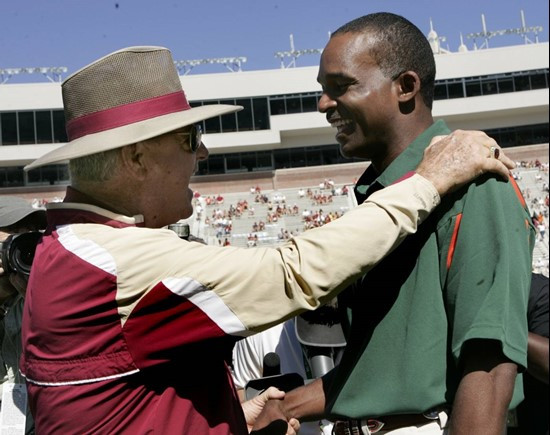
{"points": [[264, 415]]}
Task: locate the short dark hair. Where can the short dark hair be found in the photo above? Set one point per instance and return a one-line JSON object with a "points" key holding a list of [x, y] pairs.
{"points": [[399, 46]]}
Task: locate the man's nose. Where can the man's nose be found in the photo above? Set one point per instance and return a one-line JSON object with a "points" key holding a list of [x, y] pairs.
{"points": [[325, 103], [202, 152]]}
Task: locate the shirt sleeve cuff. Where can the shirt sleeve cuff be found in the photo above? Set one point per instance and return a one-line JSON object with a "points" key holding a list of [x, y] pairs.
{"points": [[424, 190]]}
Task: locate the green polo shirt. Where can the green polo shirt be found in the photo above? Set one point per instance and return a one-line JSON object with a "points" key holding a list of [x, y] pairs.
{"points": [[464, 275]]}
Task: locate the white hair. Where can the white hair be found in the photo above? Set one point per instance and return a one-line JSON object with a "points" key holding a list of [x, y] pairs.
{"points": [[95, 167]]}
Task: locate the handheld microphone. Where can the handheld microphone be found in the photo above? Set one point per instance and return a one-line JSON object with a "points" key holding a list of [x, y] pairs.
{"points": [[272, 377], [271, 365]]}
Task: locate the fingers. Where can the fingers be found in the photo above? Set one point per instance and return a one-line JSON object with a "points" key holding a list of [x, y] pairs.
{"points": [[496, 166], [498, 161], [496, 153], [506, 161], [454, 160], [272, 393], [293, 426]]}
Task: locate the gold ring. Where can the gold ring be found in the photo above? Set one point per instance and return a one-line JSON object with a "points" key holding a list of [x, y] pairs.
{"points": [[495, 152]]}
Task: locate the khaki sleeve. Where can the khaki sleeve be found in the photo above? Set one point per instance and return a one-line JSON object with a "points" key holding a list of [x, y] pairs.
{"points": [[253, 289], [263, 286]]}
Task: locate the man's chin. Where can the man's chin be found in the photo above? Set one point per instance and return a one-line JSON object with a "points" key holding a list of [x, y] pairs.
{"points": [[346, 151]]}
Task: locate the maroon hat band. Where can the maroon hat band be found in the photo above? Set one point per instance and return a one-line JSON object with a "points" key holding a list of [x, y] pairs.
{"points": [[126, 114]]}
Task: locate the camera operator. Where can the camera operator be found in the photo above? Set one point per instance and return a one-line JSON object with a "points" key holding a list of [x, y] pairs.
{"points": [[17, 219]]}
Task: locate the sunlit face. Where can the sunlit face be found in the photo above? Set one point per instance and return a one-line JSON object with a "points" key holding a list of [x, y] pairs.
{"points": [[173, 166], [357, 98]]}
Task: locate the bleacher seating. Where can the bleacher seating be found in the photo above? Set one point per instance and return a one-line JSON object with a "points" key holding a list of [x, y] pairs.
{"points": [[242, 226], [532, 181]]}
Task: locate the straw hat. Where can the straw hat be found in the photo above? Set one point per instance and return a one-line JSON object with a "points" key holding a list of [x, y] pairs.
{"points": [[128, 96]]}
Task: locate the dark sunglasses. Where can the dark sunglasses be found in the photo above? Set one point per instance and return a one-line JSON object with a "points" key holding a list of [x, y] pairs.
{"points": [[194, 141]]}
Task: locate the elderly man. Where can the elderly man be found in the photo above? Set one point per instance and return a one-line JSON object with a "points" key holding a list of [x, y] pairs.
{"points": [[125, 324], [437, 330]]}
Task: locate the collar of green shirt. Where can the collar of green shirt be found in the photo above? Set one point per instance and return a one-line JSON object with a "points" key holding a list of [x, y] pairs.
{"points": [[408, 160]]}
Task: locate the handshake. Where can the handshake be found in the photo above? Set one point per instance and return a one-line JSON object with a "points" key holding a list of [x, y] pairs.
{"points": [[264, 415], [267, 392], [269, 410]]}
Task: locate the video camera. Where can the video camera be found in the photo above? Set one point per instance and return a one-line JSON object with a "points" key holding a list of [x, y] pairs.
{"points": [[17, 252]]}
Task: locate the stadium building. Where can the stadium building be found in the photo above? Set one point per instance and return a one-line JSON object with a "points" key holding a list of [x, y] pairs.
{"points": [[503, 91]]}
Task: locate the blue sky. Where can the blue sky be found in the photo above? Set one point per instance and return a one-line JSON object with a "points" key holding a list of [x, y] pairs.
{"points": [[73, 33]]}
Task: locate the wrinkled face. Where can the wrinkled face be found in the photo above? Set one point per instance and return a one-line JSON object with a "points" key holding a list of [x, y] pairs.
{"points": [[174, 164], [357, 98]]}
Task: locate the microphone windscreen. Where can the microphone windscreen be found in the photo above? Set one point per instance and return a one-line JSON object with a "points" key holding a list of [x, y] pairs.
{"points": [[272, 364]]}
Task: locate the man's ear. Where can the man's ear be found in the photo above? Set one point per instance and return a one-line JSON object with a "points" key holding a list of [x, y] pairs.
{"points": [[407, 86], [133, 159]]}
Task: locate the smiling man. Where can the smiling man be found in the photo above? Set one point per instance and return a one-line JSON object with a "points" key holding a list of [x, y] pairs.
{"points": [[437, 331], [126, 325]]}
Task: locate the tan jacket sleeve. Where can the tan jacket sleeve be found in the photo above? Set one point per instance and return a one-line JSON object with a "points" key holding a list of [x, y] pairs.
{"points": [[262, 286]]}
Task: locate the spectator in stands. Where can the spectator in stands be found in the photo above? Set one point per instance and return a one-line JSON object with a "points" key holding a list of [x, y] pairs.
{"points": [[541, 265], [126, 326], [17, 216], [450, 330]]}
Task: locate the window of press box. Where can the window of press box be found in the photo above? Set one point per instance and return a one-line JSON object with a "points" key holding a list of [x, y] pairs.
{"points": [[245, 117], [248, 161], [264, 160], [229, 120], [505, 85], [277, 106], [8, 123], [261, 113], [212, 125], [26, 128], [455, 90], [539, 81], [309, 103], [44, 131], [51, 174], [12, 177], [233, 162], [313, 156], [59, 132], [473, 88], [293, 105]]}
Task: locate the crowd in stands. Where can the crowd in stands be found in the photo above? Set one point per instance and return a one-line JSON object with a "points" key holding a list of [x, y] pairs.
{"points": [[314, 219], [219, 220]]}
